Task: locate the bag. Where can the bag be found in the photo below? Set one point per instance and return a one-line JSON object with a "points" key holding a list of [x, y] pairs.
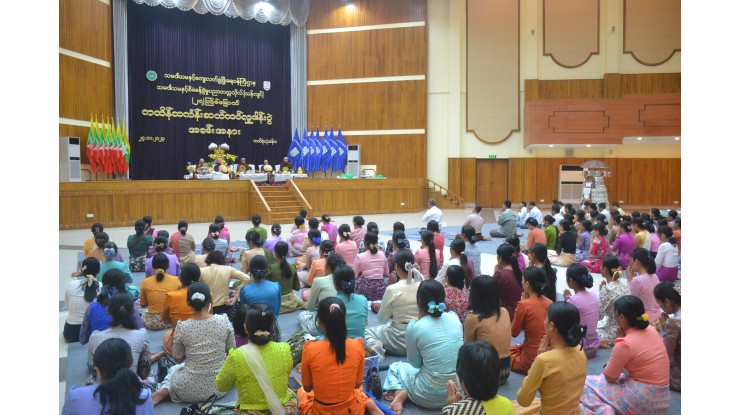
{"points": [[200, 409], [144, 368], [372, 381], [296, 342], [163, 367]]}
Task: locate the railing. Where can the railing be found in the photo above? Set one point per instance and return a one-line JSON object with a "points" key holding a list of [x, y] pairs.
{"points": [[296, 190], [455, 199], [268, 219]]}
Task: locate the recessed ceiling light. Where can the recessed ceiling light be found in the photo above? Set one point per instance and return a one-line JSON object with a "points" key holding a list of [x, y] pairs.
{"points": [[551, 146], [639, 138], [677, 138]]}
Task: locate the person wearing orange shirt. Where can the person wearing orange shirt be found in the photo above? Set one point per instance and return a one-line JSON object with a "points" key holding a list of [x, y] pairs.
{"points": [[176, 306]]}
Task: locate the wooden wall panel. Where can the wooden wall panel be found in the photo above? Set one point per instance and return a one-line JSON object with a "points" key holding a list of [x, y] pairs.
{"points": [[327, 14], [570, 32], [651, 30], [537, 179], [121, 203], [611, 86], [84, 88], [368, 53], [491, 182], [85, 27], [369, 106], [605, 121], [461, 178], [396, 156]]}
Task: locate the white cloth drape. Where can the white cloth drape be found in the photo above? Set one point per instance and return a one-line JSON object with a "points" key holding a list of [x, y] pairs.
{"points": [[298, 74], [281, 12]]}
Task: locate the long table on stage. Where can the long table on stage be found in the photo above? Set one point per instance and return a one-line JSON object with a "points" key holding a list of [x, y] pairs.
{"points": [[122, 202]]}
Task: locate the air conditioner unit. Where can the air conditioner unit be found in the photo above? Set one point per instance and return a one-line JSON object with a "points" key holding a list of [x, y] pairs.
{"points": [[570, 184], [353, 160], [70, 169]]}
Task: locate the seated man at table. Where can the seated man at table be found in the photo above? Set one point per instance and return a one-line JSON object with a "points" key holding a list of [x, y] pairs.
{"points": [[266, 167], [286, 165], [242, 168]]}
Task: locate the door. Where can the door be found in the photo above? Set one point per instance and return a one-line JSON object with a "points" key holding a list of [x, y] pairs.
{"points": [[492, 179]]}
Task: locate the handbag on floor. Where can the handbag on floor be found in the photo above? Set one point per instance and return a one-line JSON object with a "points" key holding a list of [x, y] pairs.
{"points": [[200, 408], [163, 367]]}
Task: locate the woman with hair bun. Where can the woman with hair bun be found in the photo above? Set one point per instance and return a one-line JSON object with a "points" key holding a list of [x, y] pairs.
{"points": [[624, 244], [668, 295], [96, 316], [275, 231], [459, 258], [530, 317], [538, 257], [666, 258], [261, 290], [399, 303], [255, 242], [639, 350], [579, 280], [358, 233], [610, 289], [346, 247], [471, 251], [154, 291], [286, 275], [175, 306], [138, 244], [118, 391], [370, 269], [428, 256], [641, 281], [432, 344], [332, 369], [260, 368], [81, 291], [599, 249], [202, 342], [344, 282], [110, 251], [557, 374], [121, 308], [183, 244], [509, 278]]}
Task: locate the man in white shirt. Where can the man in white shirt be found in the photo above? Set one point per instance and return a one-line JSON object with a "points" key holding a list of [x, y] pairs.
{"points": [[605, 211], [522, 215], [434, 213], [556, 214], [532, 212]]}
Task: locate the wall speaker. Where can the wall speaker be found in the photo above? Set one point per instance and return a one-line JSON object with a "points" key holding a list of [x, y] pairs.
{"points": [[569, 152]]}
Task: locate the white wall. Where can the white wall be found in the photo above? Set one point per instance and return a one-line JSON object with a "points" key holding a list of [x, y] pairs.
{"points": [[446, 125]]}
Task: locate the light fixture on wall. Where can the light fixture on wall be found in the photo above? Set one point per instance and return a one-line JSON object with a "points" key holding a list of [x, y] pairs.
{"points": [[614, 28], [551, 145], [677, 138], [531, 32], [639, 138], [588, 145]]}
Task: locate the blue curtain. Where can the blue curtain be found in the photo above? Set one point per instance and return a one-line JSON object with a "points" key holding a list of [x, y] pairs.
{"points": [[163, 42]]}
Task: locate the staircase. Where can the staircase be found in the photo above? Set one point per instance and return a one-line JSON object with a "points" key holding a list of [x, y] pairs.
{"points": [[443, 197], [284, 201]]}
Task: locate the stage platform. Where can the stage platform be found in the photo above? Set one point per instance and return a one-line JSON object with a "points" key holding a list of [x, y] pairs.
{"points": [[122, 202]]}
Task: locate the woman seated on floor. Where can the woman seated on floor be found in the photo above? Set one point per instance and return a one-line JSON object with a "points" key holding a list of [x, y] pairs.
{"points": [[458, 257], [579, 280], [173, 264], [176, 306], [669, 298], [332, 369], [428, 256], [312, 252], [514, 241], [583, 243], [666, 259], [260, 368], [217, 275], [399, 303], [81, 291], [110, 252], [323, 287], [118, 390], [121, 308], [255, 242], [432, 343], [370, 269], [183, 244], [538, 258], [204, 340], [297, 236], [138, 244], [455, 296], [639, 350], [372, 227], [565, 251], [509, 278], [471, 250], [477, 365], [101, 238], [318, 267], [560, 369], [356, 304], [489, 321], [641, 281], [530, 317], [96, 316], [285, 274], [624, 244], [261, 290], [599, 249], [346, 247], [610, 289], [154, 291]]}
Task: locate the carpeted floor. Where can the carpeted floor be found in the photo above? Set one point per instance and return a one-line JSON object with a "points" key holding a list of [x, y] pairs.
{"points": [[73, 367]]}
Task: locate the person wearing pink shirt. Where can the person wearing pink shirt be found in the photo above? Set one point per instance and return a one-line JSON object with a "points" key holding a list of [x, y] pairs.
{"points": [[346, 247], [358, 233], [624, 244], [439, 240], [579, 280], [329, 228], [429, 263], [224, 230], [639, 350], [641, 281], [297, 237], [371, 268]]}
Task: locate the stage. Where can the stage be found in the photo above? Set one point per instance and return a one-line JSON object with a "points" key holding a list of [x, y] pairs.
{"points": [[121, 203]]}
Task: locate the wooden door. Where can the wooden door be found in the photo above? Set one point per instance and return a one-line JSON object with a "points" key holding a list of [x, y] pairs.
{"points": [[492, 182]]}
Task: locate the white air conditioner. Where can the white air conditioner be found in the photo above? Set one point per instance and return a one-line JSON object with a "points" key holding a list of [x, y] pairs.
{"points": [[353, 160], [570, 184], [70, 169]]}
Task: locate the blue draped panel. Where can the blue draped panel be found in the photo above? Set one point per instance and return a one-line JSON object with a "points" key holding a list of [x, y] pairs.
{"points": [[169, 127]]}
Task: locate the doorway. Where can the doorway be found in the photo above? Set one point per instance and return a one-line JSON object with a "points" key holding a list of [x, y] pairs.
{"points": [[492, 182]]}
